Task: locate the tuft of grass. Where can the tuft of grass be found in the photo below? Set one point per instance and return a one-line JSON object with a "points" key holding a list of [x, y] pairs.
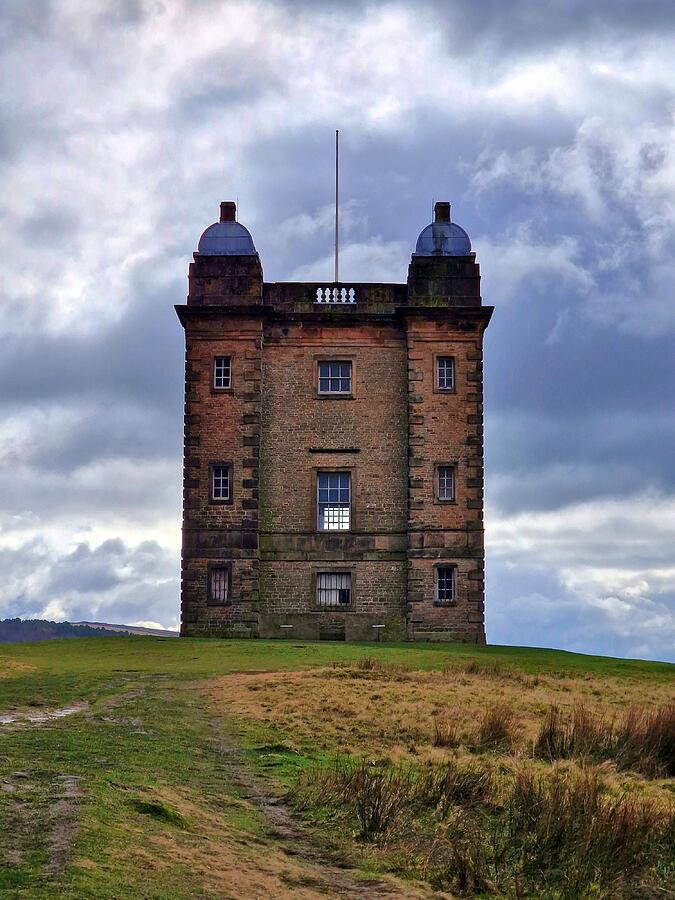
{"points": [[367, 664], [446, 734], [375, 794], [159, 810], [644, 740], [449, 785], [560, 835], [497, 729]]}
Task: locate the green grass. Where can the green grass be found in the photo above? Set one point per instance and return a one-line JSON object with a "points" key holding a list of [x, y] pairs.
{"points": [[152, 762], [69, 670]]}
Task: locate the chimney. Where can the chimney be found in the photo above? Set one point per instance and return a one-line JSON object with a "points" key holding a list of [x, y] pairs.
{"points": [[442, 211], [228, 211]]}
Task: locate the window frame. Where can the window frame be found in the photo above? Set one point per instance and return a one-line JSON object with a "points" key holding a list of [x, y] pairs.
{"points": [[322, 470], [437, 371], [323, 607], [221, 390], [437, 570], [336, 362], [337, 357], [437, 493], [222, 464], [211, 568]]}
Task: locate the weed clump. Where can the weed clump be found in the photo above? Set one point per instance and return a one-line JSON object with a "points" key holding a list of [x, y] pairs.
{"points": [[644, 740], [559, 836], [449, 785], [374, 794], [446, 734], [467, 830], [497, 729]]}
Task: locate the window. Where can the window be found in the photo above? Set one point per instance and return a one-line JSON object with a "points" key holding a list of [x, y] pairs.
{"points": [[333, 588], [219, 586], [335, 377], [221, 481], [333, 501], [222, 373], [445, 482], [446, 584], [445, 373]]}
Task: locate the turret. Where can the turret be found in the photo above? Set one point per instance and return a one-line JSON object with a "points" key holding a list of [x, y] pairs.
{"points": [[226, 268], [443, 270]]}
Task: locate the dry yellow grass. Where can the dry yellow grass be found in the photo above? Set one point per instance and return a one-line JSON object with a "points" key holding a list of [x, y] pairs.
{"points": [[351, 710], [9, 667], [391, 713]]}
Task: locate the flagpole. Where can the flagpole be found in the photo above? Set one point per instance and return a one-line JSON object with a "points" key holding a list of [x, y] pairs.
{"points": [[337, 212]]}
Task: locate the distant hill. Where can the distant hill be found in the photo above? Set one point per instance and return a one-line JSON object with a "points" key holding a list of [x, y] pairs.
{"points": [[126, 629], [18, 630], [14, 631]]}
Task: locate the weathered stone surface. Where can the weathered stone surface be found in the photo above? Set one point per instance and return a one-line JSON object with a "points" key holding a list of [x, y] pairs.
{"points": [[276, 432]]}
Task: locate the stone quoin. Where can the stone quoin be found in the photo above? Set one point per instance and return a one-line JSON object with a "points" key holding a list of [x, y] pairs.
{"points": [[333, 463]]}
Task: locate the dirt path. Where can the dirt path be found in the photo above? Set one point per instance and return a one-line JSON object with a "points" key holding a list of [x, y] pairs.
{"points": [[326, 873], [64, 823]]}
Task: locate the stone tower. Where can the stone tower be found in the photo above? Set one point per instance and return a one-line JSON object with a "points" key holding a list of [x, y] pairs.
{"points": [[333, 468]]}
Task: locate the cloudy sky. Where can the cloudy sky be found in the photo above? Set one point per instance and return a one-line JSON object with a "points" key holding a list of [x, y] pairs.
{"points": [[550, 128]]}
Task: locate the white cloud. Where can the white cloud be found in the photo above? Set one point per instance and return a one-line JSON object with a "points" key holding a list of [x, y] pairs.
{"points": [[519, 262], [372, 260], [612, 558]]}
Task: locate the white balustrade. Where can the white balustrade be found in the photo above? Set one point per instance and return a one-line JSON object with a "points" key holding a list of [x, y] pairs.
{"points": [[335, 295]]}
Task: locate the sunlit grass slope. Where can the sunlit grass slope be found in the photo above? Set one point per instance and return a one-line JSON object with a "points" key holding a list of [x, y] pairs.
{"points": [[139, 794]]}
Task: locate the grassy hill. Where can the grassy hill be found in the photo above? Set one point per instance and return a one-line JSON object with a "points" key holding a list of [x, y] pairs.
{"points": [[15, 630], [150, 767]]}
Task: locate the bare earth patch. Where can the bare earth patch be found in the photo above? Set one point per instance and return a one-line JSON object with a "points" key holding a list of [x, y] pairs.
{"points": [[63, 815]]}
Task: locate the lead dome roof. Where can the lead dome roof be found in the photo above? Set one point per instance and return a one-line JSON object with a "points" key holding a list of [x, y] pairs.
{"points": [[227, 237], [443, 237]]}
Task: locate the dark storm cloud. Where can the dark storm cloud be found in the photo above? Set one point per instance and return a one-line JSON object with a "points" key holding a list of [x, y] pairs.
{"points": [[136, 360], [521, 26]]}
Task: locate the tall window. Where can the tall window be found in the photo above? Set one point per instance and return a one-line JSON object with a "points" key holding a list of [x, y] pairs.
{"points": [[445, 482], [335, 377], [445, 373], [446, 584], [333, 588], [219, 585], [222, 372], [333, 501], [221, 482]]}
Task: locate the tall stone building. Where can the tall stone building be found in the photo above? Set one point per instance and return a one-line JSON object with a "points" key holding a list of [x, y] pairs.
{"points": [[333, 471]]}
